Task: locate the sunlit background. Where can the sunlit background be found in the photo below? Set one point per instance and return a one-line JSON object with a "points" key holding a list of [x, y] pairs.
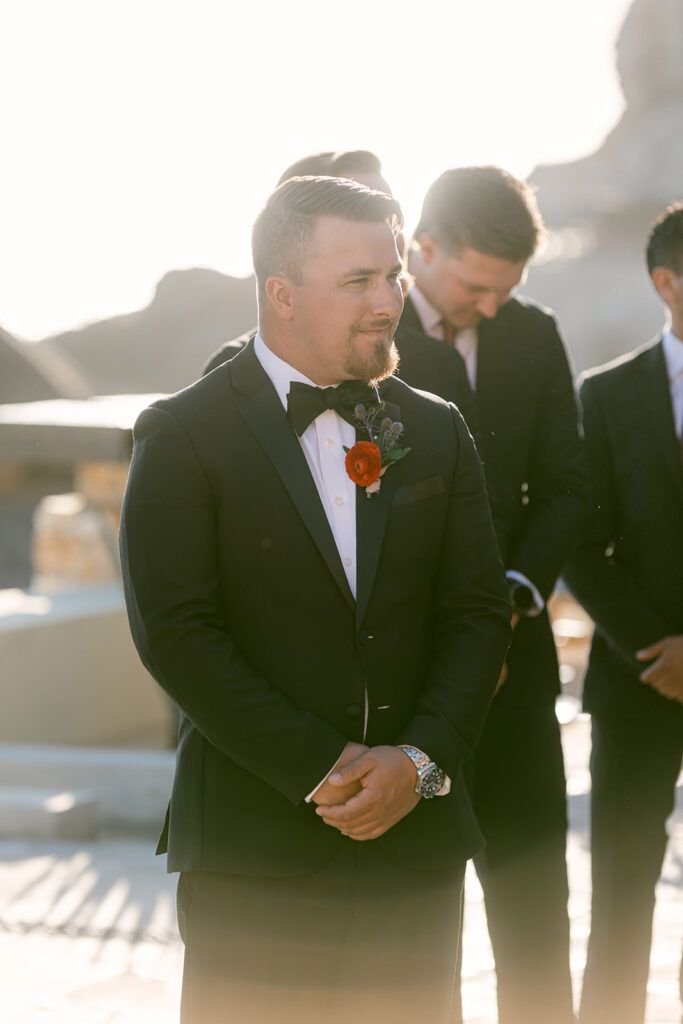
{"points": [[139, 139], [141, 136]]}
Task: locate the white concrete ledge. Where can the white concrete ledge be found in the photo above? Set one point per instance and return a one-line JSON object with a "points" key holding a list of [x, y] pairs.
{"points": [[29, 813], [22, 609], [69, 673], [131, 787]]}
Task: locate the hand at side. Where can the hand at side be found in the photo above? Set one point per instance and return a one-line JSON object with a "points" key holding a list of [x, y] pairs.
{"points": [[504, 670], [330, 794], [387, 778], [666, 673]]}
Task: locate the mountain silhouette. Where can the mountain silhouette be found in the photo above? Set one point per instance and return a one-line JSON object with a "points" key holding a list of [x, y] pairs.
{"points": [[600, 208], [29, 373], [162, 347]]}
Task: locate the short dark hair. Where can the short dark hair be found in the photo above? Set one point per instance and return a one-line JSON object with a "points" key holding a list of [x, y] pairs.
{"points": [[285, 225], [482, 208], [361, 161], [336, 165], [665, 242], [315, 163]]}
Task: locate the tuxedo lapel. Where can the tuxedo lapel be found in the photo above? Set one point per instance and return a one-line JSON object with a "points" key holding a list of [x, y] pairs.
{"points": [[262, 411], [372, 514], [658, 400]]}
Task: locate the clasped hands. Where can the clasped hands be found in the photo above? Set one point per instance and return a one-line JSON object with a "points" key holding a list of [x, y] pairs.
{"points": [[369, 791]]}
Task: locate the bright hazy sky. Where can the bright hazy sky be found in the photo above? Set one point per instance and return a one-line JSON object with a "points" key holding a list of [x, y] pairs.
{"points": [[141, 136]]}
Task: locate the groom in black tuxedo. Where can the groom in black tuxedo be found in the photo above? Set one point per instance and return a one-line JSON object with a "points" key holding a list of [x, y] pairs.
{"points": [[466, 337], [628, 573], [311, 573]]}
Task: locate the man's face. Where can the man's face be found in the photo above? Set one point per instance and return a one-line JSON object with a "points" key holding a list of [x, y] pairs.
{"points": [[466, 287], [347, 306]]}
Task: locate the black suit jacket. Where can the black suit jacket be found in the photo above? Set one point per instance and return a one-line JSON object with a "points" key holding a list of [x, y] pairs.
{"points": [[240, 608], [524, 417], [628, 571], [227, 350]]}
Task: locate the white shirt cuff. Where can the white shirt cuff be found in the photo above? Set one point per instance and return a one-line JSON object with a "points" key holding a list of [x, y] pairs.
{"points": [[446, 788], [539, 603]]}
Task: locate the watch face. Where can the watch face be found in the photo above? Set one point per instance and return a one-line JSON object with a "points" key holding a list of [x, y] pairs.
{"points": [[432, 782]]}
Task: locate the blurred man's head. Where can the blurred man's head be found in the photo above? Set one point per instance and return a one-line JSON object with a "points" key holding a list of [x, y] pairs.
{"points": [[312, 165], [478, 228], [665, 261], [358, 164], [328, 275]]}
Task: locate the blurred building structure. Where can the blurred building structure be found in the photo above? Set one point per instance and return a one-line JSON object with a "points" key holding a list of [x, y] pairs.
{"points": [[62, 446], [70, 672], [29, 374]]}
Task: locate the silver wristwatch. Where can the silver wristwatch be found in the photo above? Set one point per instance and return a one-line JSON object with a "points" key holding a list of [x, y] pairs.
{"points": [[430, 778]]}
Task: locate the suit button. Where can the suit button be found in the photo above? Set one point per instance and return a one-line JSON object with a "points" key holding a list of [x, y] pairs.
{"points": [[353, 710], [365, 637]]}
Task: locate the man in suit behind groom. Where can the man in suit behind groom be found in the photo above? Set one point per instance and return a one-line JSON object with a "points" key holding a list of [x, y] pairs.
{"points": [[628, 574], [311, 573], [500, 358]]}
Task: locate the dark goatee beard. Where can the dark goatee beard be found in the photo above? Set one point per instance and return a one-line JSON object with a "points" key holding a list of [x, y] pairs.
{"points": [[382, 363]]}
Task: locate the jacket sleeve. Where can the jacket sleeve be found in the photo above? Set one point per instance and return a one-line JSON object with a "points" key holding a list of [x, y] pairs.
{"points": [[594, 574], [472, 620], [172, 588], [556, 478]]}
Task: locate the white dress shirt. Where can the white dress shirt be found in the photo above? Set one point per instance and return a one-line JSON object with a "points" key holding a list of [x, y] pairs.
{"points": [[673, 357], [323, 443], [467, 344]]}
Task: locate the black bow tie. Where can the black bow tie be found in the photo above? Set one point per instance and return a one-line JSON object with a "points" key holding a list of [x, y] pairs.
{"points": [[305, 402]]}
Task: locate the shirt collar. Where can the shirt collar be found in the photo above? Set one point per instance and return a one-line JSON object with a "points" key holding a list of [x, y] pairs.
{"points": [[430, 318], [673, 355], [281, 373]]}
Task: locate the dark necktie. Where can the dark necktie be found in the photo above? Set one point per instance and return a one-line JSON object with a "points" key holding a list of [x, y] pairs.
{"points": [[450, 333], [305, 401]]}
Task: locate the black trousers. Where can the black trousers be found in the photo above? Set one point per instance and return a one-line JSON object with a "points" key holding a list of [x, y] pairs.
{"points": [[634, 768], [361, 939], [517, 783]]}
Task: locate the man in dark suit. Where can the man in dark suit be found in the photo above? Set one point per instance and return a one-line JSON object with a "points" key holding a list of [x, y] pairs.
{"points": [[628, 574], [501, 360], [331, 626]]}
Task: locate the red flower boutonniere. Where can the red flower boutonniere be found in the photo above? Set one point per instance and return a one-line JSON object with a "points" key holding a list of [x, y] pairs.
{"points": [[367, 461]]}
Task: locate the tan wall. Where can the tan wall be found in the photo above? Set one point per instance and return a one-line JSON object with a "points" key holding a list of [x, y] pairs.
{"points": [[69, 674]]}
